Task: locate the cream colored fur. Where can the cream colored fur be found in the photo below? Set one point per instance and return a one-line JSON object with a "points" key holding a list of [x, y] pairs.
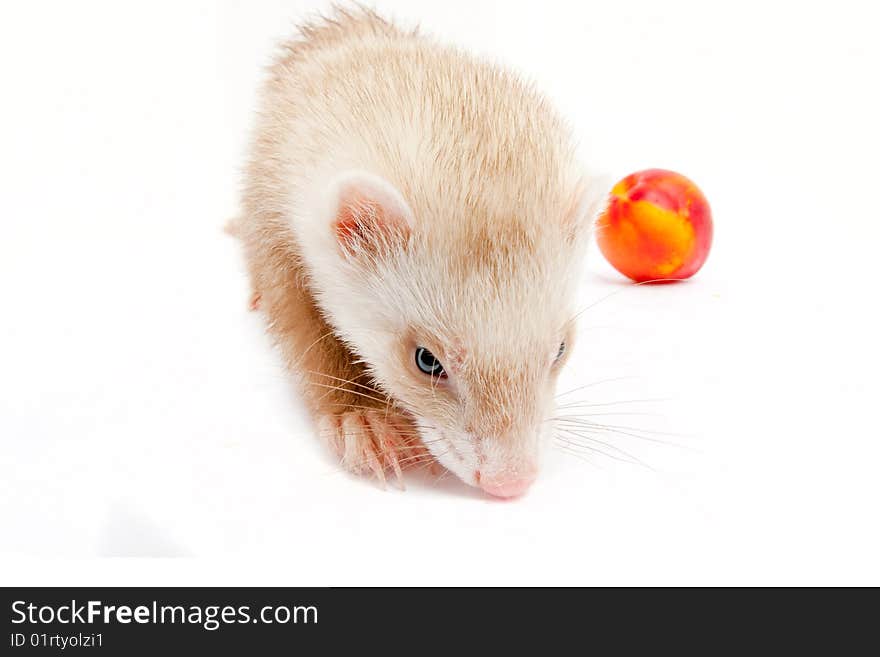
{"points": [[491, 209]]}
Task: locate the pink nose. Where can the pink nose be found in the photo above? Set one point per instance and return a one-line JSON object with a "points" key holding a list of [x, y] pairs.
{"points": [[507, 485]]}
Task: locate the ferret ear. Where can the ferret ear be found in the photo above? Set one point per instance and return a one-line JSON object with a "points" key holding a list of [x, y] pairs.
{"points": [[370, 216]]}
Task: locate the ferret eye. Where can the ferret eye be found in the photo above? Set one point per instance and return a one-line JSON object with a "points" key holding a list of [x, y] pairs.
{"points": [[561, 352], [428, 363]]}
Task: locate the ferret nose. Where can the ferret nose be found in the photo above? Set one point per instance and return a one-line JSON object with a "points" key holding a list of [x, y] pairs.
{"points": [[507, 485]]}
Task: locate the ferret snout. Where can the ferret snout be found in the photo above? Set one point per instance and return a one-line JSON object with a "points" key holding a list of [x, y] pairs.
{"points": [[508, 483], [506, 450], [507, 468]]}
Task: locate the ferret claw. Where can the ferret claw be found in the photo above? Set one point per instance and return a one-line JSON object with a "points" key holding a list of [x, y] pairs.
{"points": [[383, 434], [254, 303], [395, 465], [367, 441]]}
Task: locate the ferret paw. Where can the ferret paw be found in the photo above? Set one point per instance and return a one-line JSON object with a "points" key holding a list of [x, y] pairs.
{"points": [[370, 441]]}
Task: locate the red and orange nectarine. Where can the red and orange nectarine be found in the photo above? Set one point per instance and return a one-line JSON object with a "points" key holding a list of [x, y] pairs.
{"points": [[657, 226]]}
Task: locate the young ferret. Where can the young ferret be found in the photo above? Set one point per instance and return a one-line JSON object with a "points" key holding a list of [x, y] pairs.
{"points": [[413, 221]]}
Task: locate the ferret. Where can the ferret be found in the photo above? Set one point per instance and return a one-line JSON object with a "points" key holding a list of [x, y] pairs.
{"points": [[414, 220]]}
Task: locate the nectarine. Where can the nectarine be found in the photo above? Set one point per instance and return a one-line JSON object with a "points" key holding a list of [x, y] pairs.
{"points": [[657, 226]]}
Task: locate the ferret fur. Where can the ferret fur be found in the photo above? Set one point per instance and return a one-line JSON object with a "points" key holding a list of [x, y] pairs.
{"points": [[479, 212]]}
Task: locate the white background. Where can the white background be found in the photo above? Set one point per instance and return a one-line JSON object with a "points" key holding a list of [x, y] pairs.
{"points": [[143, 415]]}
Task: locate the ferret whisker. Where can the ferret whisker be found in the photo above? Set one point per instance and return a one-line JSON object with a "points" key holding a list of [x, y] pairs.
{"points": [[614, 403], [630, 434], [595, 383], [430, 458], [389, 408], [442, 476], [581, 434], [576, 447], [585, 424], [575, 439], [405, 462], [345, 381], [632, 458], [624, 414], [575, 419], [577, 455], [303, 355], [412, 460], [625, 289], [398, 432], [346, 390]]}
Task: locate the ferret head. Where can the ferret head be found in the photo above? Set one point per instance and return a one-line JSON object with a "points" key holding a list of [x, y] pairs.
{"points": [[465, 321]]}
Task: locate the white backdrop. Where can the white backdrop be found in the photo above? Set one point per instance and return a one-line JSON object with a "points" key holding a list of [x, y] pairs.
{"points": [[148, 436]]}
